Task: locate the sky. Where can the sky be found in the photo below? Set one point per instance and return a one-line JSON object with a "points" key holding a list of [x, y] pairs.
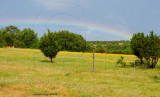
{"points": [[95, 20]]}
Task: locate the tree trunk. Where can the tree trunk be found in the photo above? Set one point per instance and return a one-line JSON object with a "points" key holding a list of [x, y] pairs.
{"points": [[152, 64], [141, 61], [51, 59]]}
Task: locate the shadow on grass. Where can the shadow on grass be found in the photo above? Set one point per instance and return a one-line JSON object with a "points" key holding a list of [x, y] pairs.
{"points": [[47, 61]]}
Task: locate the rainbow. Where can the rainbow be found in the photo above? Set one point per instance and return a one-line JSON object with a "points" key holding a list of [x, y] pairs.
{"points": [[88, 27]]}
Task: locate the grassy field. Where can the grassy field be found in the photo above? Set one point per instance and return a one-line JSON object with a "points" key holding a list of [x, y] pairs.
{"points": [[26, 72]]}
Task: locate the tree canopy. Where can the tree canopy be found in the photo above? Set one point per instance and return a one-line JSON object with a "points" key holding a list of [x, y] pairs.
{"points": [[29, 38], [48, 45], [71, 41], [13, 36], [146, 48]]}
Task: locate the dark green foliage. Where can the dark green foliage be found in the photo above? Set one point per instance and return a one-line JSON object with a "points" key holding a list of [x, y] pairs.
{"points": [[100, 50], [138, 45], [12, 36], [156, 78], [137, 63], [88, 48], [71, 42], [48, 45], [29, 38], [99, 46], [146, 48], [2, 39], [153, 49], [121, 61]]}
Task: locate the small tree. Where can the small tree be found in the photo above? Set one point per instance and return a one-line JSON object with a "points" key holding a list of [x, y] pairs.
{"points": [[146, 47], [48, 45]]}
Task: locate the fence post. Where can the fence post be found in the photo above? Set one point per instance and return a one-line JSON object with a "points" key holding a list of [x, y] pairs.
{"points": [[93, 61]]}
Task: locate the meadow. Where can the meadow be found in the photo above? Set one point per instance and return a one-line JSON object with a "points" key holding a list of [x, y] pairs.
{"points": [[27, 72]]}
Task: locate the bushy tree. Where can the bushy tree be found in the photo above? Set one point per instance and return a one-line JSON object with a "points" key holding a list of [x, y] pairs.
{"points": [[29, 38], [146, 47], [71, 41], [13, 36], [153, 49], [2, 39], [48, 45]]}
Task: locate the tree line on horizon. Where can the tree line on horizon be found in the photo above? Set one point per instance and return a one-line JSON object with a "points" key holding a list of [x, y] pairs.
{"points": [[27, 38], [111, 47], [145, 47], [13, 36]]}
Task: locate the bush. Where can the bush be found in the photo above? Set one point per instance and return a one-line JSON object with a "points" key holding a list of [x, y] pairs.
{"points": [[137, 63], [121, 61], [100, 50]]}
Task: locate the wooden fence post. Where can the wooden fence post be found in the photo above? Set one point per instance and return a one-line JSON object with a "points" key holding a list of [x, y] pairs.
{"points": [[93, 61]]}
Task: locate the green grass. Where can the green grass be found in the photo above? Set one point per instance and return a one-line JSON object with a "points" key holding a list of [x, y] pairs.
{"points": [[25, 72]]}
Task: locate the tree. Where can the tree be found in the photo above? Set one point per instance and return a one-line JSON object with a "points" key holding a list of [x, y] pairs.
{"points": [[138, 45], [99, 46], [2, 39], [153, 49], [29, 38], [70, 41], [48, 45], [146, 47], [13, 36]]}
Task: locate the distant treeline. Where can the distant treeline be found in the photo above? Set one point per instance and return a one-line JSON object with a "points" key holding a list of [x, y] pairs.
{"points": [[111, 47], [12, 36]]}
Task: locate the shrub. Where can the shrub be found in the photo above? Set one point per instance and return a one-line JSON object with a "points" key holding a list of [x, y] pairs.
{"points": [[137, 63], [100, 50], [121, 61]]}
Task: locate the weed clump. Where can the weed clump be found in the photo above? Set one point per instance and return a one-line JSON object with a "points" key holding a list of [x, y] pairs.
{"points": [[121, 61]]}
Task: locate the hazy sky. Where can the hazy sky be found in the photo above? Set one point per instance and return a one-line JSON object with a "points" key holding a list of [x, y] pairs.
{"points": [[94, 19]]}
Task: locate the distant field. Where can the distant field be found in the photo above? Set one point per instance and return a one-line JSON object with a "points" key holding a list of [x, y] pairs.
{"points": [[27, 72]]}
